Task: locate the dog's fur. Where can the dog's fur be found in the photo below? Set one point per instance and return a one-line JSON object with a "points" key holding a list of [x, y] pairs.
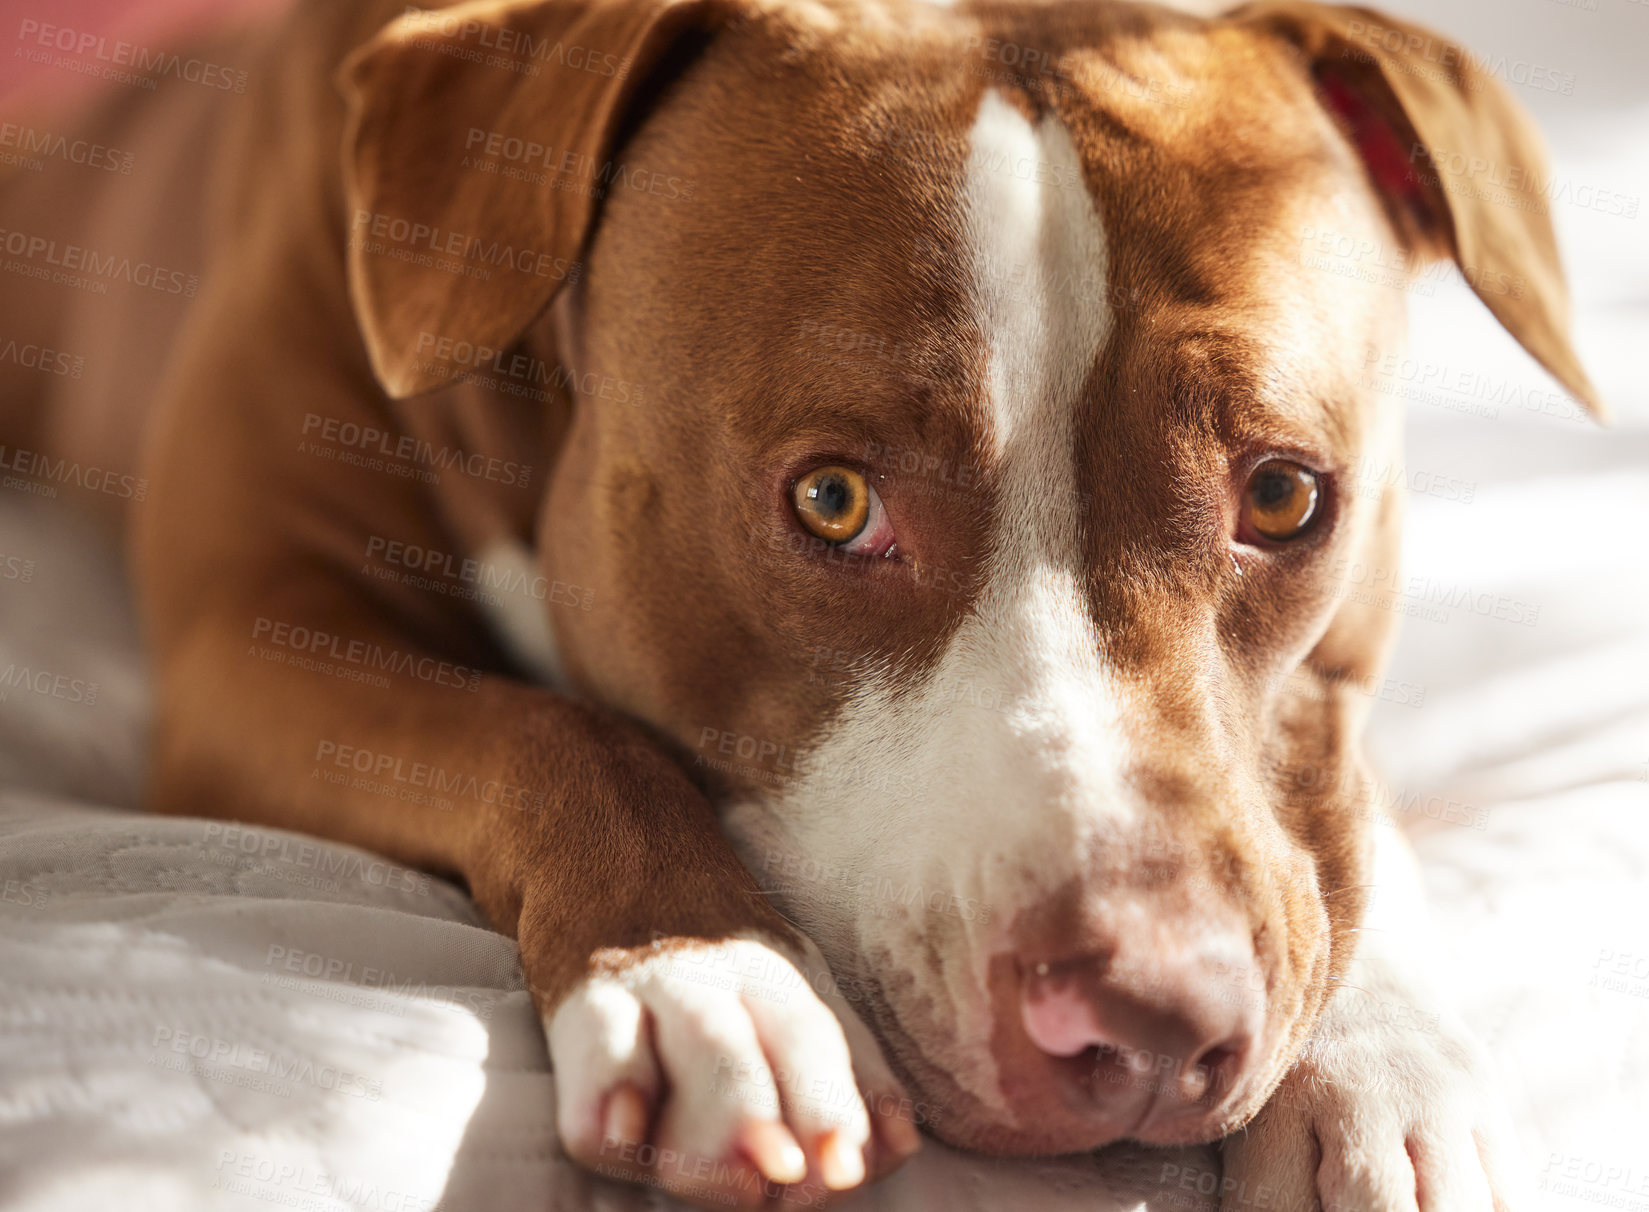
{"points": [[1079, 307]]}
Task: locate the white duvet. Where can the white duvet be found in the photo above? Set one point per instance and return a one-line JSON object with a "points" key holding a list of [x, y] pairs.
{"points": [[195, 1015]]}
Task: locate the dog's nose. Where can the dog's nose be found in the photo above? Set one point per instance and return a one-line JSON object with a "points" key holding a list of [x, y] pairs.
{"points": [[1172, 1023]]}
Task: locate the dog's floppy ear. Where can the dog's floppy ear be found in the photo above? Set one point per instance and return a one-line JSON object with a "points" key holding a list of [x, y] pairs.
{"points": [[1416, 107], [450, 241]]}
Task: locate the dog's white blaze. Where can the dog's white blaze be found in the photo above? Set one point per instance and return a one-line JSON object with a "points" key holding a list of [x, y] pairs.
{"points": [[941, 810]]}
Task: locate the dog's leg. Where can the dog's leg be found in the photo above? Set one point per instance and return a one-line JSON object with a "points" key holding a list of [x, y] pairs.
{"points": [[1392, 1106], [696, 1041], [692, 1030]]}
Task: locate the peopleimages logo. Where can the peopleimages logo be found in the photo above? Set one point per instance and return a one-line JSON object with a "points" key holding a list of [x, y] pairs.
{"points": [[45, 471], [76, 265], [485, 576], [26, 141], [280, 850], [1420, 54], [16, 568], [404, 454], [389, 772], [321, 648], [456, 252], [475, 38], [46, 360], [514, 373], [212, 1056], [315, 966], [92, 54], [1516, 185], [536, 163], [291, 1185], [47, 684]]}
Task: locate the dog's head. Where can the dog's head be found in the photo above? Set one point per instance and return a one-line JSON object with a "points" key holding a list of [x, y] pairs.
{"points": [[975, 493]]}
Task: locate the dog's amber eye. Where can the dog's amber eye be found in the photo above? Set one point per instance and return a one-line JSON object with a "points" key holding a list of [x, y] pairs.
{"points": [[833, 503], [1281, 500]]}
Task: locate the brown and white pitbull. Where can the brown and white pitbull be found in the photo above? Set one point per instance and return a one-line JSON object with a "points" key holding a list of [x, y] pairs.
{"points": [[835, 520]]}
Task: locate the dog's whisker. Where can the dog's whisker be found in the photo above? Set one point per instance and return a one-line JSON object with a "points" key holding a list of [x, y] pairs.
{"points": [[1348, 888]]}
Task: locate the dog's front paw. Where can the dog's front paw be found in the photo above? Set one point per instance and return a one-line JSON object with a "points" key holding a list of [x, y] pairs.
{"points": [[1377, 1118], [723, 1072]]}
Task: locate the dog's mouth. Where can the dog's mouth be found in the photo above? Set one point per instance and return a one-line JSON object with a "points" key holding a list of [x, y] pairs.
{"points": [[1083, 1103], [1127, 1001], [1030, 1103]]}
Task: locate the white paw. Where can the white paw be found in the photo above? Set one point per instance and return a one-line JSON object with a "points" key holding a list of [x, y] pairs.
{"points": [[1378, 1116], [718, 1072]]}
